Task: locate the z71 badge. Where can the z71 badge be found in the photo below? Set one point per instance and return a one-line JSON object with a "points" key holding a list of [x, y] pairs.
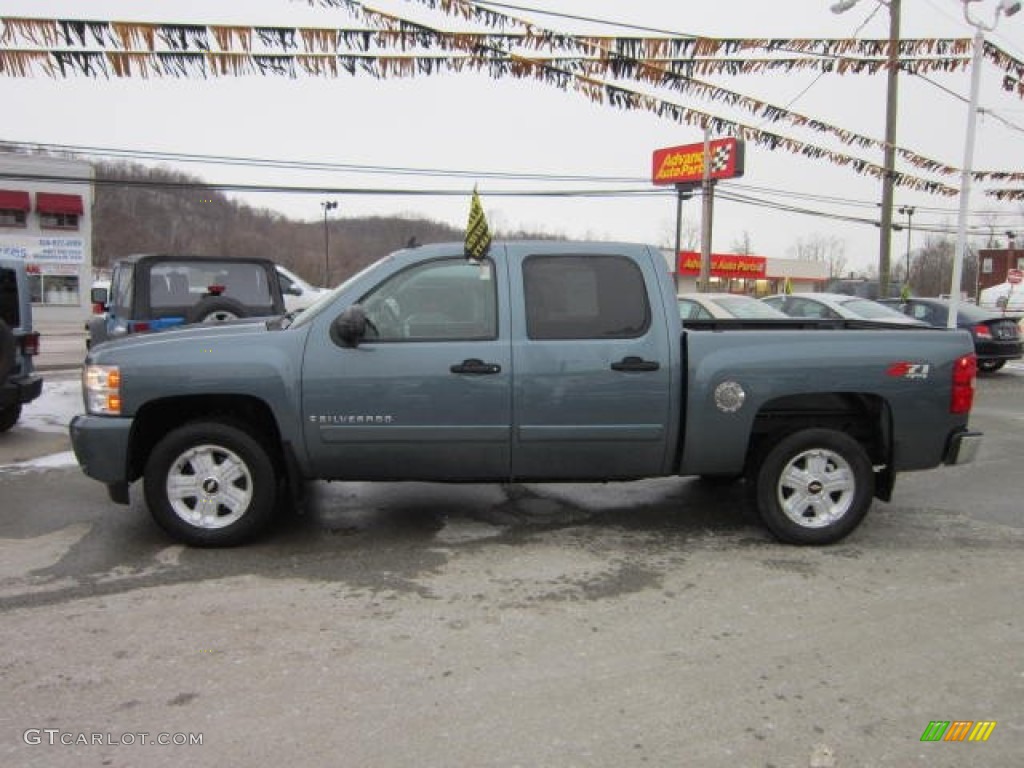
{"points": [[904, 370]]}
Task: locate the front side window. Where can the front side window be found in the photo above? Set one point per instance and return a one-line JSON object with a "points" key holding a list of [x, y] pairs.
{"points": [[585, 297], [448, 299]]}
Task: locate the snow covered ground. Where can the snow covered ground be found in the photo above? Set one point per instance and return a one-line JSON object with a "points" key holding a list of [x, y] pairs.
{"points": [[60, 401]]}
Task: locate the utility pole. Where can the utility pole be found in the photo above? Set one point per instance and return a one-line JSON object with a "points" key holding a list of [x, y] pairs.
{"points": [[889, 156], [889, 177]]}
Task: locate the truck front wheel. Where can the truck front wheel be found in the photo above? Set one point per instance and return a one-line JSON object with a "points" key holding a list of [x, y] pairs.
{"points": [[814, 487], [210, 484]]}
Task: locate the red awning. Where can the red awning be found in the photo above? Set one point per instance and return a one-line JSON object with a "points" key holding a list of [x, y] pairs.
{"points": [[14, 200], [50, 202]]}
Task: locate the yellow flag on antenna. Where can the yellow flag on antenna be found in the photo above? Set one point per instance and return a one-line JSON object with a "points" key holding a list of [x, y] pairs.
{"points": [[478, 235]]}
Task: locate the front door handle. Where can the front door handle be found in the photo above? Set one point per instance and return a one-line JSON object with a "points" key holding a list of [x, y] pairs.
{"points": [[476, 367], [632, 364]]}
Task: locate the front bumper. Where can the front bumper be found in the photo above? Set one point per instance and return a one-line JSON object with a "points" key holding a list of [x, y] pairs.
{"points": [[101, 446], [963, 448], [20, 389]]}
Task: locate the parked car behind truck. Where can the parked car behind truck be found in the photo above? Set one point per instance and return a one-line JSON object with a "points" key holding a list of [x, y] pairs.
{"points": [[546, 361], [153, 292], [996, 335], [19, 344]]}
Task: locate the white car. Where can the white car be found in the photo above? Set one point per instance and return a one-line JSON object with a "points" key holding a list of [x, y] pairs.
{"points": [[710, 306], [298, 294], [836, 306]]}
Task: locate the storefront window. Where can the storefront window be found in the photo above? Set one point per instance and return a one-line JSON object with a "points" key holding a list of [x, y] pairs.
{"points": [[54, 289]]}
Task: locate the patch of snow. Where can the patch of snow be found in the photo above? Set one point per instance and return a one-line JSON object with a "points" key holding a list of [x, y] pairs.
{"points": [[53, 410], [53, 461]]}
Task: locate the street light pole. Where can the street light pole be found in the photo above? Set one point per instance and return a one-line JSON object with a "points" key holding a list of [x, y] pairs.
{"points": [[327, 205], [889, 156], [1008, 7], [908, 211]]}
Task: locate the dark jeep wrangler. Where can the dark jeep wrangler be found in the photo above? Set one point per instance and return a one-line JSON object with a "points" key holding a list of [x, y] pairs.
{"points": [[152, 292], [19, 384]]}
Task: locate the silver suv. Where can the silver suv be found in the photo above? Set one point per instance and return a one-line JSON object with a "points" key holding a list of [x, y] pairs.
{"points": [[19, 384]]}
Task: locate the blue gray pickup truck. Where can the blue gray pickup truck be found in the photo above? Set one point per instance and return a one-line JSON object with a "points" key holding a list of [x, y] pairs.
{"points": [[545, 361]]}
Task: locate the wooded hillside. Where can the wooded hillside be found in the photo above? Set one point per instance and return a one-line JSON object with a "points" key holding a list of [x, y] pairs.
{"points": [[144, 210]]}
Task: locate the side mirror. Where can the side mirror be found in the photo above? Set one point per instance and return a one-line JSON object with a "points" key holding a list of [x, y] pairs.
{"points": [[349, 328], [292, 290], [98, 295]]}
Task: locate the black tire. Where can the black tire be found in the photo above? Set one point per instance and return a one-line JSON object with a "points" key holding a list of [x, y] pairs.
{"points": [[6, 350], [9, 416], [216, 309], [990, 366], [232, 497], [814, 487]]}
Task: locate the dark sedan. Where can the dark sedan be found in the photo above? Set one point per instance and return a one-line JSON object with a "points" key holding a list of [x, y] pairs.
{"points": [[996, 336]]}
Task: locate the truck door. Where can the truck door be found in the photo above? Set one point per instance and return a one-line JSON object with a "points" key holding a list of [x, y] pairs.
{"points": [[593, 364], [427, 395]]}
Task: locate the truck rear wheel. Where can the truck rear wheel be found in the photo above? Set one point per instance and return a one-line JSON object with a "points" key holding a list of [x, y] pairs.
{"points": [[210, 484], [814, 487]]}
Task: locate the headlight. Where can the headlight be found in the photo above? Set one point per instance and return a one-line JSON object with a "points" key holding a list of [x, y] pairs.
{"points": [[101, 385]]}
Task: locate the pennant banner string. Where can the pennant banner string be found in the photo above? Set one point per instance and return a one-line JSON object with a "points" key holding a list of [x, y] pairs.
{"points": [[186, 41]]}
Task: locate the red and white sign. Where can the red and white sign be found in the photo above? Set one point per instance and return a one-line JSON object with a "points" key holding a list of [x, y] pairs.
{"points": [[685, 164], [1015, 276], [726, 265]]}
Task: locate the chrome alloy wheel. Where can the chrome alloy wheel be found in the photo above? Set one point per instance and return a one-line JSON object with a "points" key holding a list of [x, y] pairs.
{"points": [[816, 488], [209, 486]]}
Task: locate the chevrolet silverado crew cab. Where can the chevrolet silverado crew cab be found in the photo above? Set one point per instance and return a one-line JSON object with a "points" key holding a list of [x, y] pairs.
{"points": [[19, 383], [544, 361]]}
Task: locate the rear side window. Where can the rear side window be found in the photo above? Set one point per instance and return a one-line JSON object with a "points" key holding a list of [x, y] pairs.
{"points": [[10, 310], [184, 283], [585, 297]]}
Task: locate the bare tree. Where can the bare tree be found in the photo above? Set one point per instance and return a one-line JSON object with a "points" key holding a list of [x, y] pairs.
{"points": [[823, 248], [743, 245]]}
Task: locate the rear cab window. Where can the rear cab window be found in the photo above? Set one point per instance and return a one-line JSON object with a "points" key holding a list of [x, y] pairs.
{"points": [[585, 297]]}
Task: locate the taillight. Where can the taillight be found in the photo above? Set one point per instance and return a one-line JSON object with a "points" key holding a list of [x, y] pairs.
{"points": [[982, 331], [30, 343], [965, 370], [98, 308], [141, 327]]}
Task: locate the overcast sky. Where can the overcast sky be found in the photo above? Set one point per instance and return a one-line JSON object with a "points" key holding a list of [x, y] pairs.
{"points": [[481, 125]]}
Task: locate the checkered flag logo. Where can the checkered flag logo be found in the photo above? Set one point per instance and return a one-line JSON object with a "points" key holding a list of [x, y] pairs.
{"points": [[720, 158]]}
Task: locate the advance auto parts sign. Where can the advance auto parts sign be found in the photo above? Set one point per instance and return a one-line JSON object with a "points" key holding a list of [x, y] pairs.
{"points": [[685, 164]]}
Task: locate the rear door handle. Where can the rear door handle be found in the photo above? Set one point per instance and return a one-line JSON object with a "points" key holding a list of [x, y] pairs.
{"points": [[632, 364], [476, 367]]}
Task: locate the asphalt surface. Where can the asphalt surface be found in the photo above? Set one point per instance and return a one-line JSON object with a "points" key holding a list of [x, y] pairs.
{"points": [[651, 623]]}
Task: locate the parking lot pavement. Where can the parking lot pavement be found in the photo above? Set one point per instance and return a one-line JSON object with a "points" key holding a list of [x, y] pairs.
{"points": [[61, 345]]}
